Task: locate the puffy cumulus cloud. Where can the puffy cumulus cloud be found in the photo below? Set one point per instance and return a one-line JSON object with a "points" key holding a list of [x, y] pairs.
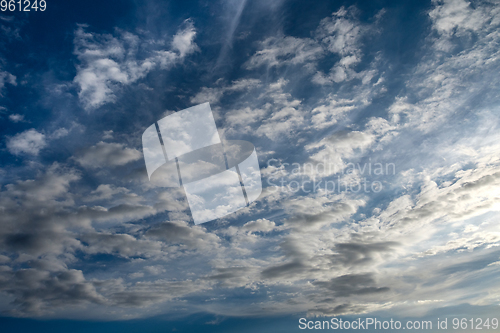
{"points": [[39, 213], [28, 142], [105, 192], [108, 62], [50, 186], [457, 17], [105, 154], [31, 142], [260, 225], [342, 253], [43, 229], [35, 291], [30, 213], [183, 40], [120, 244], [245, 117]]}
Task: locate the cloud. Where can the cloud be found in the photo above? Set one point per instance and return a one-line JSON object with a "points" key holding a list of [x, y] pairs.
{"points": [[351, 284], [6, 77], [108, 62], [341, 34], [31, 209], [283, 50], [34, 290], [144, 294], [28, 142], [213, 95], [447, 80], [260, 225], [457, 17], [350, 254], [105, 154], [183, 40], [280, 115], [105, 192], [74, 244], [283, 270], [16, 118], [189, 237], [59, 133], [120, 244]]}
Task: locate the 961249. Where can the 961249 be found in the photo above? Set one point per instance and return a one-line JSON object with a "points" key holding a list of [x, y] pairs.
{"points": [[23, 5]]}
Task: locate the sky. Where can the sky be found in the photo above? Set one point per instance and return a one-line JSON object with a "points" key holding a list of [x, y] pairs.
{"points": [[375, 123]]}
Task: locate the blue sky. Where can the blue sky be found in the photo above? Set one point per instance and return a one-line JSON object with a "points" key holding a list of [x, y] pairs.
{"points": [[398, 99]]}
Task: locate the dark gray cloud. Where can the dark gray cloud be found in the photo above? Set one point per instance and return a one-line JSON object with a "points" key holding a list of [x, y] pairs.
{"points": [[352, 284], [353, 254], [35, 290], [284, 270], [105, 154], [188, 236]]}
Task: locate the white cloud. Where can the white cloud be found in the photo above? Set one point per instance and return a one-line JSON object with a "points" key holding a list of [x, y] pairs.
{"points": [[59, 133], [341, 35], [108, 62], [28, 142], [456, 17], [16, 118], [213, 95], [107, 135], [451, 76], [320, 253], [183, 40], [280, 51]]}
